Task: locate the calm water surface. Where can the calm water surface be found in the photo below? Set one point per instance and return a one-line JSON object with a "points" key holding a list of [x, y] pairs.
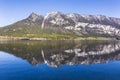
{"points": [[59, 60]]}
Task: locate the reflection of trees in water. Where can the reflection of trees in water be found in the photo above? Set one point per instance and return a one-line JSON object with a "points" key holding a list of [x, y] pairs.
{"points": [[64, 52]]}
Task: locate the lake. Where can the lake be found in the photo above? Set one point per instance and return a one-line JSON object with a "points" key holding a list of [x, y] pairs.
{"points": [[59, 60]]}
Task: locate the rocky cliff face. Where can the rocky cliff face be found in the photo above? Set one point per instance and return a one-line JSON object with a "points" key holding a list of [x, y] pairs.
{"points": [[86, 24], [80, 24], [96, 24], [33, 19], [57, 19]]}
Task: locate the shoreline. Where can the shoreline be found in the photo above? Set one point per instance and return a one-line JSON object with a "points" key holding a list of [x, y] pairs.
{"points": [[7, 38]]}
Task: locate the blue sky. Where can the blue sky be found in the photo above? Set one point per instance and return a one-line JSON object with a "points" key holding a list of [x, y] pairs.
{"points": [[15, 10]]}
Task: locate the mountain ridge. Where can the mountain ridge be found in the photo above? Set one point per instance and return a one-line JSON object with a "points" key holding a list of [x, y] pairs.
{"points": [[65, 24]]}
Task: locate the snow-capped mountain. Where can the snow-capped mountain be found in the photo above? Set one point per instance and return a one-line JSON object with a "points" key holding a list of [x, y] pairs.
{"points": [[97, 25], [87, 24]]}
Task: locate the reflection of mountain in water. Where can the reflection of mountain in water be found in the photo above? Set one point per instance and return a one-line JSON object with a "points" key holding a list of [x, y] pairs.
{"points": [[64, 52]]}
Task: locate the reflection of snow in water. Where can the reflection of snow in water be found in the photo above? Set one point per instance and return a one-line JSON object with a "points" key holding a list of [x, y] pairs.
{"points": [[72, 54], [106, 49]]}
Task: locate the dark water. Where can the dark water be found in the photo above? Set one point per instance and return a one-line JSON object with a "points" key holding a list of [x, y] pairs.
{"points": [[60, 60]]}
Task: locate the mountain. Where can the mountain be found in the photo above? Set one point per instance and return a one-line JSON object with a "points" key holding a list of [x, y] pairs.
{"points": [[57, 25]]}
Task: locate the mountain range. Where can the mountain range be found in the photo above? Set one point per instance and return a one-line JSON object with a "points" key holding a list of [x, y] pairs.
{"points": [[57, 25]]}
